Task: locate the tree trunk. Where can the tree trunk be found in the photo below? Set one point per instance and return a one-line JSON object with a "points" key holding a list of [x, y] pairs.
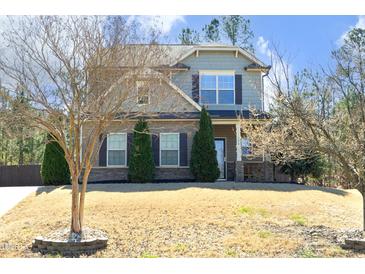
{"points": [[31, 148], [6, 152], [21, 151], [83, 193], [363, 211], [75, 221], [21, 148]]}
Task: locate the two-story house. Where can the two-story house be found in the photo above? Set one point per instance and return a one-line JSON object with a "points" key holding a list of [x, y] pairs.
{"points": [[228, 81]]}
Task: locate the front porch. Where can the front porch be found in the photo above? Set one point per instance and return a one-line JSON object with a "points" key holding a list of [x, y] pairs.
{"points": [[233, 165]]}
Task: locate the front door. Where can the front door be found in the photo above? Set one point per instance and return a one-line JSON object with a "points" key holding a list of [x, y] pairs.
{"points": [[220, 147]]}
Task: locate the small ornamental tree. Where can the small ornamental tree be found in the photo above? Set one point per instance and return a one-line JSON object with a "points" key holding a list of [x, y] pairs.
{"points": [[141, 165], [54, 170], [204, 164], [72, 72]]}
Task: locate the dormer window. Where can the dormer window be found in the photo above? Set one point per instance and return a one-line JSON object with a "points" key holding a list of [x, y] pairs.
{"points": [[217, 87], [143, 94]]}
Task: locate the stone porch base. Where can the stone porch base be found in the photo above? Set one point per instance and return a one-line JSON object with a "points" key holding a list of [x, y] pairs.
{"points": [[259, 172]]}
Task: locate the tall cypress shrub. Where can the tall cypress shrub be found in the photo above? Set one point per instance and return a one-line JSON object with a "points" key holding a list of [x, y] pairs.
{"points": [[54, 169], [203, 163], [141, 165]]}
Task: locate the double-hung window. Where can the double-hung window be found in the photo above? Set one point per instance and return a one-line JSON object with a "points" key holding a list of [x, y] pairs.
{"points": [[217, 88], [117, 149], [246, 147], [169, 149]]}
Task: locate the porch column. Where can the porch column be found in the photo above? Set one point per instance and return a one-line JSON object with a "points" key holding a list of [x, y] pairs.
{"points": [[239, 171], [238, 142]]}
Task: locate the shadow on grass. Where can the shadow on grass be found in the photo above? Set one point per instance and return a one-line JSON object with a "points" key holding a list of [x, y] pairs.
{"points": [[49, 189], [229, 186]]}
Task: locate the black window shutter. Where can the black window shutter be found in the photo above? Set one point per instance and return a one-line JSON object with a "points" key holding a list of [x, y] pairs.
{"points": [[129, 146], [156, 149], [238, 89], [183, 149], [102, 151], [195, 87]]}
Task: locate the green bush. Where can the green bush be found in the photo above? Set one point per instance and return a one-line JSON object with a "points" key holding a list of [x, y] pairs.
{"points": [[203, 164], [141, 165], [54, 169], [312, 165]]}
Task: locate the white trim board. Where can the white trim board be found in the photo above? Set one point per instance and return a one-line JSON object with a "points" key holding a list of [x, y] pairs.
{"points": [[234, 49]]}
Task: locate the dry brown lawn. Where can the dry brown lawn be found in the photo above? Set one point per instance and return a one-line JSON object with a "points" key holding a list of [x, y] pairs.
{"points": [[192, 220]]}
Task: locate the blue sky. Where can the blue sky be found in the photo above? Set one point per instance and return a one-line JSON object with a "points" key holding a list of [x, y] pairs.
{"points": [[308, 40]]}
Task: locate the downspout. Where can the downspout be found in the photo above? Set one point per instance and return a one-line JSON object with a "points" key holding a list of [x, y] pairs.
{"points": [[263, 109], [262, 85]]}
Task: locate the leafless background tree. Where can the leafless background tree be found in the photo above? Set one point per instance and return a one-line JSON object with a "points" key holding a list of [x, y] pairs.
{"points": [[322, 112]]}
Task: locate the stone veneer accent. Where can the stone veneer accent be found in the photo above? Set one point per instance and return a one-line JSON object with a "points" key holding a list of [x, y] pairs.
{"points": [[259, 172], [68, 249], [239, 171], [354, 244], [231, 171]]}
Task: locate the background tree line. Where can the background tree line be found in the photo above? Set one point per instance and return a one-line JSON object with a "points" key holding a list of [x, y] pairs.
{"points": [[19, 143], [234, 29]]}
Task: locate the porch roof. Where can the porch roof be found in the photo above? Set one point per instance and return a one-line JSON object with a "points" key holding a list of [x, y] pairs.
{"points": [[214, 114]]}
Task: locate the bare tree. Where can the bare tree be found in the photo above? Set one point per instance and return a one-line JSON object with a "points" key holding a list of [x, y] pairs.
{"points": [[237, 29], [74, 72], [321, 112], [189, 37]]}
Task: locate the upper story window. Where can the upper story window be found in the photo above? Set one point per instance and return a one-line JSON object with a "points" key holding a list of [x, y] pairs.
{"points": [[116, 149], [217, 88], [143, 94]]}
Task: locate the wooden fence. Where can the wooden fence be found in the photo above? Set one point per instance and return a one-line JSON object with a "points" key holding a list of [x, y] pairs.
{"points": [[27, 175]]}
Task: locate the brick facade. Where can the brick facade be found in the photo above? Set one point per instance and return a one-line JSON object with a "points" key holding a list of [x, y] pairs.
{"points": [[109, 174]]}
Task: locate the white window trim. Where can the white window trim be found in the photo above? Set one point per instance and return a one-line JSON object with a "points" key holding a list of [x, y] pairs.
{"points": [[217, 73], [149, 95], [107, 149], [178, 148]]}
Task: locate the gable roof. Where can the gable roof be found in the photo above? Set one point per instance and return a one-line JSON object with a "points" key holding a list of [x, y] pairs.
{"points": [[183, 94], [148, 71], [172, 55], [214, 114], [186, 51]]}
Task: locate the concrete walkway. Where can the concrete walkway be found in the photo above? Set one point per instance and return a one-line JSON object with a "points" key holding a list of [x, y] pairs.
{"points": [[11, 196]]}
